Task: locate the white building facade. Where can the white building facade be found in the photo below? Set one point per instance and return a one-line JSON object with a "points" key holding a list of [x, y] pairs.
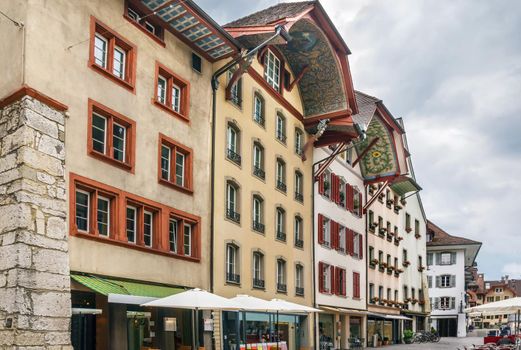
{"points": [[447, 258], [340, 263]]}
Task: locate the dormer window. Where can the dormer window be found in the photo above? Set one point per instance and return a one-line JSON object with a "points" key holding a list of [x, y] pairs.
{"points": [[272, 70]]}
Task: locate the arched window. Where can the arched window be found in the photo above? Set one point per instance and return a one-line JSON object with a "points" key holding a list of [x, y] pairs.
{"points": [[258, 109], [235, 95], [298, 232], [232, 201], [299, 280], [299, 186], [280, 130], [232, 264], [258, 160], [280, 217], [281, 275], [258, 270], [258, 214], [299, 141], [233, 150], [281, 175]]}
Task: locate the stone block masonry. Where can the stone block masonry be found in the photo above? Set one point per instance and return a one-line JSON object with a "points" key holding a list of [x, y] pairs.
{"points": [[35, 305]]}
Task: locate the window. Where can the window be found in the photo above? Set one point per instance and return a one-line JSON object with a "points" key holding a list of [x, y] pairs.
{"points": [[175, 164], [258, 214], [111, 136], [280, 130], [96, 212], [342, 239], [381, 293], [299, 141], [416, 227], [281, 276], [172, 93], [420, 262], [235, 91], [357, 202], [371, 221], [258, 160], [429, 259], [148, 228], [197, 63], [281, 224], [131, 224], [371, 293], [408, 222], [380, 257], [327, 183], [258, 270], [445, 281], [446, 258], [389, 294], [299, 280], [395, 295], [371, 254], [447, 303], [327, 232], [340, 280], [405, 293], [404, 255], [232, 261], [299, 237], [299, 196], [281, 175], [111, 55], [232, 144], [172, 235], [499, 290], [356, 285], [326, 272], [148, 25], [272, 67], [258, 109], [232, 202]]}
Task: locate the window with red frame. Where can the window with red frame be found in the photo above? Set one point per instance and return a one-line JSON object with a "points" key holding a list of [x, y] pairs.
{"points": [[172, 92], [94, 211], [141, 224], [175, 164], [112, 55], [340, 279], [111, 136], [356, 285], [144, 21]]}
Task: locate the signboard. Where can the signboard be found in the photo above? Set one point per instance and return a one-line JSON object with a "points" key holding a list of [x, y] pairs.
{"points": [[208, 325], [170, 324]]}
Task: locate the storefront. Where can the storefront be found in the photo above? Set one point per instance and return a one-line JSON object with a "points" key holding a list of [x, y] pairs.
{"points": [[385, 329], [340, 328], [326, 331], [107, 314], [262, 331]]}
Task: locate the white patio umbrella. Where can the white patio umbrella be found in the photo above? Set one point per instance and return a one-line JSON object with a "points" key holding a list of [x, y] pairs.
{"points": [[507, 306], [194, 299]]}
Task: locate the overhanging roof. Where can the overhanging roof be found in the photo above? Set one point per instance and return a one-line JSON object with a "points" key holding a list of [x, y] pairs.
{"points": [[192, 25], [106, 286], [404, 184]]}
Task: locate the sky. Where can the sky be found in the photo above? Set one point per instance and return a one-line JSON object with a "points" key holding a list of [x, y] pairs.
{"points": [[452, 71]]}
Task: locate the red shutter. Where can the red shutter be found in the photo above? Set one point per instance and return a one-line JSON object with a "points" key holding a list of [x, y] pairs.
{"points": [[360, 206], [333, 282], [320, 229], [333, 187], [349, 234], [350, 202], [321, 277], [337, 189], [356, 285], [321, 184], [361, 246], [335, 235], [344, 286]]}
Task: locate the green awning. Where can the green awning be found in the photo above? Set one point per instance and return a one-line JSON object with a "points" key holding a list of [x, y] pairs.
{"points": [[404, 184], [106, 286]]}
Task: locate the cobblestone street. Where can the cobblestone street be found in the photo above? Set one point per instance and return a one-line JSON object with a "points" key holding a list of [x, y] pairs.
{"points": [[445, 343]]}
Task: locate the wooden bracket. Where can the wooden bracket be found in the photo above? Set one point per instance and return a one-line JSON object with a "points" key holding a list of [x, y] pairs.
{"points": [[364, 152], [323, 166], [375, 196], [243, 67], [298, 77]]}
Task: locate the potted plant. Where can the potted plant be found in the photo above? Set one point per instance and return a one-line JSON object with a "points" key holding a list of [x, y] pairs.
{"points": [[406, 263], [342, 197], [407, 336], [382, 230], [372, 226], [326, 185], [374, 261], [375, 299]]}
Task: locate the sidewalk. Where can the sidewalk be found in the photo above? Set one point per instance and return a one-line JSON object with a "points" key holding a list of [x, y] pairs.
{"points": [[444, 343]]}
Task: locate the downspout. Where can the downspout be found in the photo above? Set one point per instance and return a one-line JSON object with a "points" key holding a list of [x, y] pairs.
{"points": [[313, 255], [366, 270]]}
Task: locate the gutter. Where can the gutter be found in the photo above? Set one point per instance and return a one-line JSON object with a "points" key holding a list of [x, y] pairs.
{"points": [[215, 85]]}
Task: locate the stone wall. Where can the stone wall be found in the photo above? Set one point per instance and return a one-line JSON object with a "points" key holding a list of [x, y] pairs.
{"points": [[35, 305]]}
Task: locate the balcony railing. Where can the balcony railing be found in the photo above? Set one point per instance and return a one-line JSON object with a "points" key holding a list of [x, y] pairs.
{"points": [[258, 226], [281, 136], [233, 156], [298, 150], [282, 287], [259, 172], [299, 197], [233, 215], [259, 119], [299, 243], [233, 278], [299, 291], [281, 186], [258, 283], [281, 236]]}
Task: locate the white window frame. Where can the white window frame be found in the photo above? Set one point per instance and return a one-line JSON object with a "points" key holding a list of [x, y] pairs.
{"points": [[176, 232], [326, 229], [189, 245], [231, 259], [257, 265], [168, 159], [176, 98], [231, 197], [257, 209], [161, 90], [257, 109], [145, 213], [444, 262], [134, 219], [356, 244], [281, 271], [299, 276], [257, 156], [88, 209], [232, 139], [94, 114], [182, 165], [280, 220], [124, 139], [103, 198], [104, 51], [298, 228], [326, 274], [122, 64], [272, 70], [342, 238], [281, 170], [281, 127], [298, 182]]}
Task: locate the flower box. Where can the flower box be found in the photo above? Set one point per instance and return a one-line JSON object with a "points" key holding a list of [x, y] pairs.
{"points": [[417, 235], [374, 261]]}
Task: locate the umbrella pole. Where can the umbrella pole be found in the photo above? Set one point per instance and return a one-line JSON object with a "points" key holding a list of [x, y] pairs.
{"points": [[278, 330], [194, 328]]}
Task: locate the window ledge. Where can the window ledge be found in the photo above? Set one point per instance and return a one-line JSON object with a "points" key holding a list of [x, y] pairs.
{"points": [[103, 157], [171, 111], [141, 248], [186, 190], [140, 27], [124, 83]]}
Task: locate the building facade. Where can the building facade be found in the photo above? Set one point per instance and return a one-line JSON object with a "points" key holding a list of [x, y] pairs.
{"points": [[106, 169], [447, 259], [340, 251]]}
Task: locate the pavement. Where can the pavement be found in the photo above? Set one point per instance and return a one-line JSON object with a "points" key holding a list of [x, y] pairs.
{"points": [[444, 343]]}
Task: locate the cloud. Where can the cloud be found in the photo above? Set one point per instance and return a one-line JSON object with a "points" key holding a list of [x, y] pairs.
{"points": [[513, 270], [452, 70]]}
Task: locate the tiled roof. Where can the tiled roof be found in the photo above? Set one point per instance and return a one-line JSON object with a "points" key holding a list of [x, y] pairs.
{"points": [[271, 14], [441, 238], [366, 108]]}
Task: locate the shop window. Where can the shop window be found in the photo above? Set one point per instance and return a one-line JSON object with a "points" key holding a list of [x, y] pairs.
{"points": [[258, 214], [112, 55], [258, 270], [175, 164], [232, 202], [172, 93], [233, 150], [145, 22], [111, 136], [232, 264]]}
